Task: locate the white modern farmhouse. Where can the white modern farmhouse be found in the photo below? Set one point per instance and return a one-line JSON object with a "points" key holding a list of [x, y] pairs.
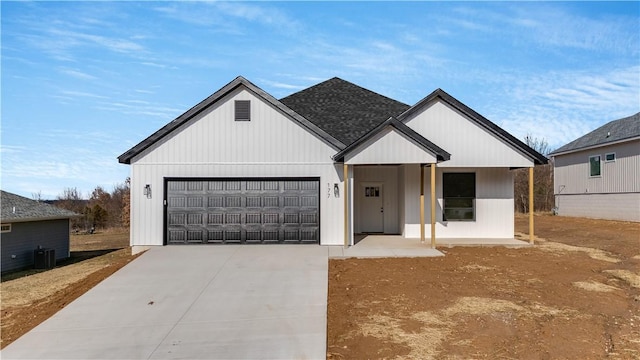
{"points": [[321, 165], [598, 175]]}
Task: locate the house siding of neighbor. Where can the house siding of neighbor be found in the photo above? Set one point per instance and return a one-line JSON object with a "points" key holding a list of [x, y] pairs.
{"points": [[598, 174], [244, 167], [28, 225]]}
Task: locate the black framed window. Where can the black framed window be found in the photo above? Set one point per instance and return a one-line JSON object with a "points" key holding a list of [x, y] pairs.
{"points": [[594, 165], [459, 195]]}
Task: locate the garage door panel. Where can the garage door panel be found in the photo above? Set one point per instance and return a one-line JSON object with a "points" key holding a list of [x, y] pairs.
{"points": [[215, 235], [242, 211]]}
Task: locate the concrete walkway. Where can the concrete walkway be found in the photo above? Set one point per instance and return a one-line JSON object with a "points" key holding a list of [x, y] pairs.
{"points": [[195, 302]]}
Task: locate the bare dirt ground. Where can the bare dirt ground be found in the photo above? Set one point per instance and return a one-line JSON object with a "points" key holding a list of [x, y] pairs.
{"points": [[30, 297], [576, 295]]}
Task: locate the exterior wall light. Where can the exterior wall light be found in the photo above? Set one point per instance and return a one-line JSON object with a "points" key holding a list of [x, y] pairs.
{"points": [[147, 191]]}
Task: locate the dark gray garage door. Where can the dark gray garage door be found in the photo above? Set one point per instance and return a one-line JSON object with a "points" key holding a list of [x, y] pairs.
{"points": [[242, 211]]}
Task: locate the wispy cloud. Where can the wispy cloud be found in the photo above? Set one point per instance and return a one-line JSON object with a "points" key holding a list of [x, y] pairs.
{"points": [[561, 106], [546, 24], [133, 107], [555, 26], [224, 16], [77, 74], [74, 93], [280, 85], [73, 38], [11, 149]]}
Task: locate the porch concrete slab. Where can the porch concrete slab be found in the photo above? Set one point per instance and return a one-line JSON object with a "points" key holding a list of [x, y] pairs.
{"points": [[227, 301], [377, 246], [506, 242]]}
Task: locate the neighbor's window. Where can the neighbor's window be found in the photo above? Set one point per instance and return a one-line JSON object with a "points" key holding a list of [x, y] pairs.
{"points": [[459, 193], [243, 110], [5, 228], [594, 165], [610, 157]]}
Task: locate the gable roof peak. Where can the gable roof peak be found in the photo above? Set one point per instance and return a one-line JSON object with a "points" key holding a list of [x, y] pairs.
{"points": [[196, 110], [474, 116]]}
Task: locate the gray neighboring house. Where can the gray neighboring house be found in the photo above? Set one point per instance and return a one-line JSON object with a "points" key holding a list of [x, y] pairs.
{"points": [[598, 174], [27, 224]]}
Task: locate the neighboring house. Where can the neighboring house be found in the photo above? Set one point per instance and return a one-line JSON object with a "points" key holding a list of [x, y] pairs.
{"points": [[244, 167], [27, 225], [598, 174]]}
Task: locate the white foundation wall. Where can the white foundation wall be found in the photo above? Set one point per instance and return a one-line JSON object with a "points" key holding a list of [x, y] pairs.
{"points": [[494, 204], [147, 214]]}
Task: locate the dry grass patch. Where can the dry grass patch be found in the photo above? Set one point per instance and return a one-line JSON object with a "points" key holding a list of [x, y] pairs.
{"points": [[594, 286], [23, 291], [477, 267], [435, 327], [596, 254], [627, 276]]}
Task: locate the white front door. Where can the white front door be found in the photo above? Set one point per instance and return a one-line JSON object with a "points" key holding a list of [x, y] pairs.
{"points": [[372, 208]]}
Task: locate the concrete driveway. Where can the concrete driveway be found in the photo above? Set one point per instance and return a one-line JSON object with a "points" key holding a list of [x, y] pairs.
{"points": [[195, 302]]}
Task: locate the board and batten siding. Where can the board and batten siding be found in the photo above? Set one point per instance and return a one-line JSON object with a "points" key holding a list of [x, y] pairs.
{"points": [[571, 171], [614, 195], [389, 147], [25, 237], [214, 145], [468, 143], [494, 204]]}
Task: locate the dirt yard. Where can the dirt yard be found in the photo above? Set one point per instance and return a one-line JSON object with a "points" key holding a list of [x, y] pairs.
{"points": [[29, 297], [576, 295]]}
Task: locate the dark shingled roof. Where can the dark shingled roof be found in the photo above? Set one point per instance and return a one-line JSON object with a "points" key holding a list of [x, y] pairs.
{"points": [[16, 208], [613, 131], [342, 109]]}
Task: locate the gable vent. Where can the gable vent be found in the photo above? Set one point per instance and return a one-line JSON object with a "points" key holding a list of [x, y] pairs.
{"points": [[243, 110]]}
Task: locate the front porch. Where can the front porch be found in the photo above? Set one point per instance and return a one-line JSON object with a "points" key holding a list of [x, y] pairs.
{"points": [[381, 246]]}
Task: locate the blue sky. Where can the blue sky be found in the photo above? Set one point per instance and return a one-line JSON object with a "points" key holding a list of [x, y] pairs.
{"points": [[82, 82]]}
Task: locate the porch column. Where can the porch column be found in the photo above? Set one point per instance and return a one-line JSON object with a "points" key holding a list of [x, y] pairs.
{"points": [[345, 173], [531, 205], [433, 205], [421, 204]]}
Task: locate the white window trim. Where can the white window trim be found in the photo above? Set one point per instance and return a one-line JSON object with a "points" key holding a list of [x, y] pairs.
{"points": [[607, 154], [589, 166], [5, 230]]}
